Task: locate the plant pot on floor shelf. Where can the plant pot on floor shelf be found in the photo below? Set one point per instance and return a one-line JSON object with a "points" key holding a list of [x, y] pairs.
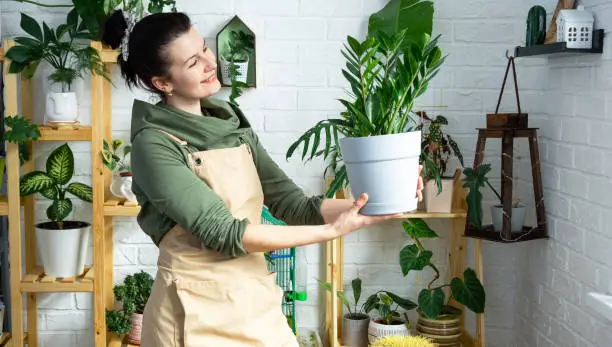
{"points": [[439, 203], [63, 252], [61, 108], [517, 220], [135, 333], [355, 330], [444, 330], [386, 167], [376, 329]]}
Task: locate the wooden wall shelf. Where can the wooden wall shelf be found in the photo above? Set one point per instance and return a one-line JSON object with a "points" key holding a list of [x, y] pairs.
{"points": [[118, 208], [65, 133]]}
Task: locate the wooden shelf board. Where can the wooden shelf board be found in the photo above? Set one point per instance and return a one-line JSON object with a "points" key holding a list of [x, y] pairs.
{"points": [[4, 340], [65, 133], [432, 215], [116, 341], [1, 54], [37, 282], [559, 49], [120, 208], [4, 205]]}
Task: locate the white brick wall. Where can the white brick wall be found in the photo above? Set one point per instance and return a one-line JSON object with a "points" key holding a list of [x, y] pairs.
{"points": [[534, 290]]}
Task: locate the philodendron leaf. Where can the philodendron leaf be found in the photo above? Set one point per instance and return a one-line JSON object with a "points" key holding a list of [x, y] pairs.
{"points": [[412, 259], [469, 291], [402, 302], [356, 284], [431, 302], [34, 182], [81, 191], [416, 227], [60, 164]]}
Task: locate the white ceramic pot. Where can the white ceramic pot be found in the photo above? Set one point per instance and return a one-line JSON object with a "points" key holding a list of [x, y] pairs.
{"points": [[61, 108], [516, 222], [377, 330], [243, 68], [121, 187], [386, 167], [355, 331], [438, 203], [63, 252], [136, 330]]}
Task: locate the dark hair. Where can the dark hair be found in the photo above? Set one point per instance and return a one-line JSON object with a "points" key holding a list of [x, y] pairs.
{"points": [[147, 57]]}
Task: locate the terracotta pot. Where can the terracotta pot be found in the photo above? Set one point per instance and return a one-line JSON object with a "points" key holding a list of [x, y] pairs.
{"points": [[377, 330], [438, 203], [135, 332], [355, 330], [445, 330]]}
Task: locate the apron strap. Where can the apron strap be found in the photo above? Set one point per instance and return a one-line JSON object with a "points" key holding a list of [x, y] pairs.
{"points": [[181, 142]]}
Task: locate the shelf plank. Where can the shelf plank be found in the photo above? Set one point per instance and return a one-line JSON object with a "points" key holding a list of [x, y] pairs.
{"points": [[1, 54], [37, 282], [4, 205], [559, 49], [433, 215], [121, 208], [116, 341], [65, 133], [5, 339]]}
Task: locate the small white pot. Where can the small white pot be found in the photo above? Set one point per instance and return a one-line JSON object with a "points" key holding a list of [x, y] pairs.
{"points": [[243, 68], [517, 221], [438, 203], [63, 252], [377, 330], [121, 187], [61, 108], [386, 167]]}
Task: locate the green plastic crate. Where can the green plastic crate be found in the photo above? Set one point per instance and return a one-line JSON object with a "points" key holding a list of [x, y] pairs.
{"points": [[282, 262]]}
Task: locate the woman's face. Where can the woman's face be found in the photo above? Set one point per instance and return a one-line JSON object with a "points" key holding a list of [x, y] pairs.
{"points": [[193, 67]]}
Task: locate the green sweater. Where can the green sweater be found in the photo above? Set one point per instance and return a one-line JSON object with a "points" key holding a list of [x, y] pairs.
{"points": [[170, 193]]}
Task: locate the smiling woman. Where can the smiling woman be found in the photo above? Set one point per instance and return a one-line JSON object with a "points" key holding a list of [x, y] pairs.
{"points": [[201, 177]]}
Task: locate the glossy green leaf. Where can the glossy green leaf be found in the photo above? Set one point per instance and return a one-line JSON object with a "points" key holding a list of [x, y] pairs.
{"points": [[59, 210], [50, 193], [469, 291], [411, 259], [431, 302], [406, 304], [356, 284], [34, 182], [413, 16], [30, 26], [60, 164], [416, 227], [81, 191]]}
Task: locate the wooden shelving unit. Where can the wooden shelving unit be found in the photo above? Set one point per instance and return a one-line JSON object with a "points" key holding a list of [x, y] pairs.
{"points": [[99, 278], [457, 261]]}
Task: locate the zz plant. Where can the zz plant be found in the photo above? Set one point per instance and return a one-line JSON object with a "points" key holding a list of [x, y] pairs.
{"points": [[54, 183], [431, 300]]}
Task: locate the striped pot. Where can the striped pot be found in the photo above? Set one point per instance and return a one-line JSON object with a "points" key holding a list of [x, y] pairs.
{"points": [[445, 330]]}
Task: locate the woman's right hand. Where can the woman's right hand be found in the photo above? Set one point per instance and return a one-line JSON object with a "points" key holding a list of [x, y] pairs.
{"points": [[351, 220]]}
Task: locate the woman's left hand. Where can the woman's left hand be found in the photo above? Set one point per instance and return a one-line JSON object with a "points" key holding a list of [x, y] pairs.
{"points": [[420, 184]]}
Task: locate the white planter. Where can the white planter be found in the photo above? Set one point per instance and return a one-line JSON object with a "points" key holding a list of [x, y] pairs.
{"points": [[61, 108], [386, 167], [517, 221], [377, 330], [243, 68], [63, 252], [121, 187], [355, 331], [438, 203]]}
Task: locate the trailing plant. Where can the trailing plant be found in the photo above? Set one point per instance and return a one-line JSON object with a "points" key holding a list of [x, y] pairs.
{"points": [[110, 155], [436, 148], [54, 183], [474, 180], [133, 295], [431, 300], [354, 312], [240, 45], [21, 131], [60, 48]]}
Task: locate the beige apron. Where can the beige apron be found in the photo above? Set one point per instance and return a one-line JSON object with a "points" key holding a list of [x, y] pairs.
{"points": [[201, 298]]}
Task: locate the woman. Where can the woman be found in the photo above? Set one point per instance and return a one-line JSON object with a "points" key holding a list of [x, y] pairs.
{"points": [[201, 177]]}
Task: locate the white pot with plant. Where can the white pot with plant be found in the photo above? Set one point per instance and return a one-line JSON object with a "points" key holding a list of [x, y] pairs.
{"points": [[62, 243], [436, 150], [474, 180], [389, 321], [69, 57], [355, 321], [376, 136], [235, 63], [121, 185]]}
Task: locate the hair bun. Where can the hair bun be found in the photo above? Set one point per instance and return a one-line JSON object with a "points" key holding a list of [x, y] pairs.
{"points": [[113, 29]]}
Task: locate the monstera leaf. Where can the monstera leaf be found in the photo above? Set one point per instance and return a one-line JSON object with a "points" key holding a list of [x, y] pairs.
{"points": [[414, 16]]}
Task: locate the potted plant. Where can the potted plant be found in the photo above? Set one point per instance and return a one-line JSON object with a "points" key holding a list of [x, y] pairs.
{"points": [[69, 59], [476, 179], [380, 143], [389, 321], [438, 320], [121, 185], [355, 322], [131, 297], [403, 341], [235, 63], [62, 243], [436, 150]]}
